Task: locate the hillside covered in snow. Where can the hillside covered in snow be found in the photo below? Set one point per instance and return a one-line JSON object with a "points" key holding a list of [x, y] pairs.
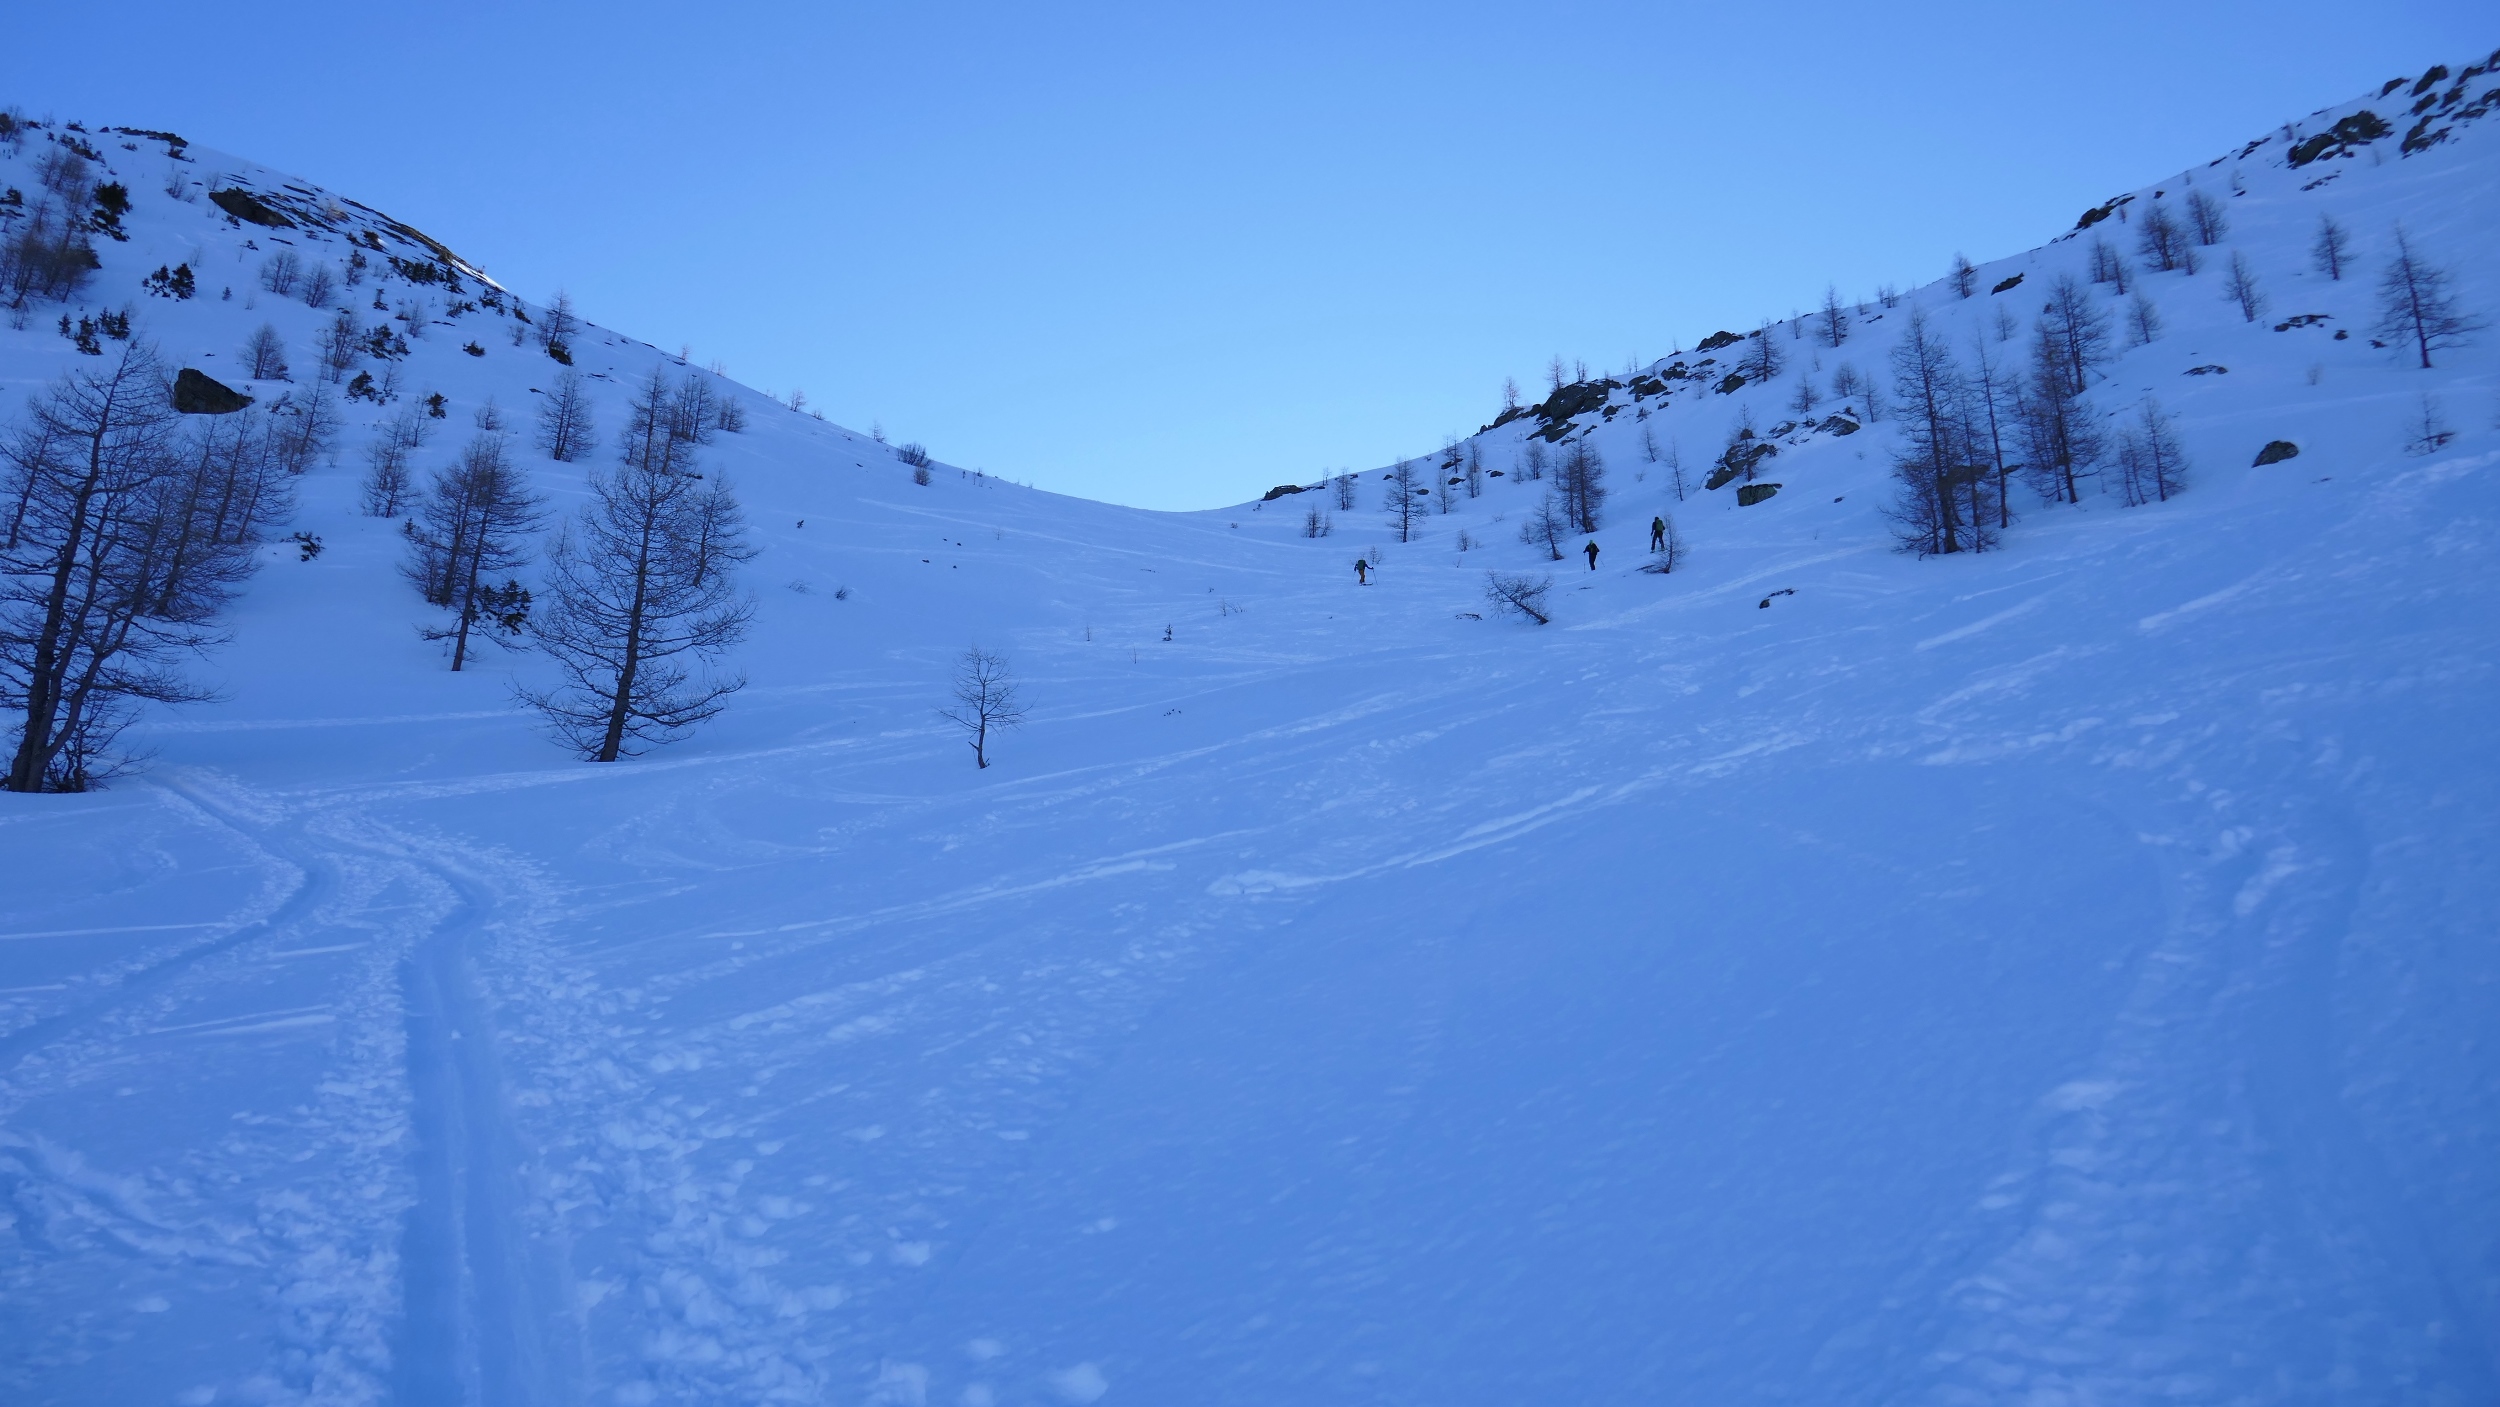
{"points": [[2001, 912]]}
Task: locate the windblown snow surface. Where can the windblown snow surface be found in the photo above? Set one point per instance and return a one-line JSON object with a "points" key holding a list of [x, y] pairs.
{"points": [[2063, 975]]}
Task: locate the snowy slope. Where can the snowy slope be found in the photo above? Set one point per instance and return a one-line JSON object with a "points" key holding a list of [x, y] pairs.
{"points": [[2064, 974]]}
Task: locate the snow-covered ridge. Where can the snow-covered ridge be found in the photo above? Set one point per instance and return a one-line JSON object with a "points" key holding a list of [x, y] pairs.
{"points": [[161, 207], [2302, 157]]}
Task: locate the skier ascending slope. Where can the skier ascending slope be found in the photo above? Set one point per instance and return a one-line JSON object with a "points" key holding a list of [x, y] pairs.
{"points": [[1591, 549], [1362, 572], [1658, 534]]}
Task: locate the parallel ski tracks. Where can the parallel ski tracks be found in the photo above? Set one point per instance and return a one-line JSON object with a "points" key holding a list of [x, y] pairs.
{"points": [[314, 884], [485, 1320]]}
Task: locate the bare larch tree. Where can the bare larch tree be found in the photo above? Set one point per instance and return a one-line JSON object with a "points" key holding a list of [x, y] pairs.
{"points": [[1932, 462], [1405, 487], [1761, 360], [2159, 237], [472, 525], [1581, 480], [564, 425], [2332, 249], [264, 355], [987, 699], [2151, 465], [2240, 288], [126, 536], [1521, 593], [1546, 526], [2060, 441], [2418, 305], [2143, 321], [2075, 324], [1991, 402], [638, 585], [557, 323], [2205, 214]]}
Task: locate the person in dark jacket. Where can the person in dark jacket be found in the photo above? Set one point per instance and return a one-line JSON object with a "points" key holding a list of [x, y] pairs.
{"points": [[1591, 549], [1362, 572], [1657, 534]]}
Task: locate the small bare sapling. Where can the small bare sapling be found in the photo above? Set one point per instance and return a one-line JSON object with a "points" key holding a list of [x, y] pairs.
{"points": [[986, 698]]}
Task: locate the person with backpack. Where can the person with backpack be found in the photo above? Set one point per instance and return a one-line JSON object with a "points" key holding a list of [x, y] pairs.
{"points": [[1658, 534], [1591, 549], [1362, 572]]}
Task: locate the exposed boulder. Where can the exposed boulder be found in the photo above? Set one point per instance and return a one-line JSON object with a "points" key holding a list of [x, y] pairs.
{"points": [[196, 393], [1742, 457], [247, 207], [2276, 451], [1567, 402], [2358, 129]]}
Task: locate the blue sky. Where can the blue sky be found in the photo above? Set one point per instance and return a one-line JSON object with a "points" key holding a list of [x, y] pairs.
{"points": [[1171, 256]]}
